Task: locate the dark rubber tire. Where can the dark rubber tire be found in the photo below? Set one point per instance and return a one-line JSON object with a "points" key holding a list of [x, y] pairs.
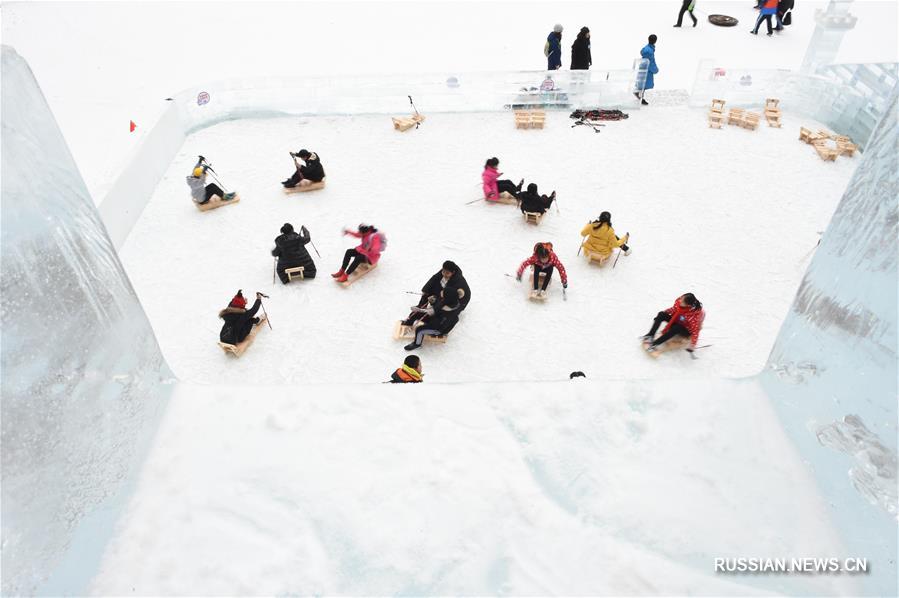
{"points": [[722, 20]]}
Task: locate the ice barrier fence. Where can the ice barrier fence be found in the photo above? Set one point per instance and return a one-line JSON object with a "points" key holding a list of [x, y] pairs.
{"points": [[84, 382]]}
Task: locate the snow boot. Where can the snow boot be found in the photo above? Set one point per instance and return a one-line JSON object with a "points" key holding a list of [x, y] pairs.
{"points": [[343, 277], [338, 274], [228, 196], [411, 346]]}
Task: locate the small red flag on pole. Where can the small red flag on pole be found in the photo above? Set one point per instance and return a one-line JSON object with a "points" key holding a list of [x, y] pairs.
{"points": [[133, 126]]}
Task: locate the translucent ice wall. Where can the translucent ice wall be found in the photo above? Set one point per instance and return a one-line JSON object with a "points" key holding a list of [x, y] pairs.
{"points": [[81, 371], [833, 373]]}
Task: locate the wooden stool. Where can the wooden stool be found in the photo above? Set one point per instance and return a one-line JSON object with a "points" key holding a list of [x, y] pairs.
{"points": [[533, 217], [294, 273]]}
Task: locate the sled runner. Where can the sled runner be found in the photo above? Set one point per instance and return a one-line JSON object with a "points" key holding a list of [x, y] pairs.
{"points": [[294, 273], [238, 349], [533, 217], [300, 188], [672, 345], [216, 202], [407, 333], [361, 271], [406, 123]]}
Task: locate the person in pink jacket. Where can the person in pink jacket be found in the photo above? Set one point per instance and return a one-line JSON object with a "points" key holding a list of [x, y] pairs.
{"points": [[368, 251], [492, 186]]}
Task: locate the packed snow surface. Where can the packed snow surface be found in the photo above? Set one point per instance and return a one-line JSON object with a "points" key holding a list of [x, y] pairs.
{"points": [[730, 215]]}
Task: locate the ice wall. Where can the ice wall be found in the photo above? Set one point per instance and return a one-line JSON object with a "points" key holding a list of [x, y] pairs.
{"points": [[833, 370], [82, 375]]}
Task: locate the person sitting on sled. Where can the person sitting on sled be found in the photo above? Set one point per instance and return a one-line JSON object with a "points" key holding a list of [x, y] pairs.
{"points": [[200, 192], [601, 238], [449, 276], [311, 172], [445, 317], [531, 201], [543, 260], [238, 320], [493, 185], [410, 372], [684, 319], [367, 252], [290, 249]]}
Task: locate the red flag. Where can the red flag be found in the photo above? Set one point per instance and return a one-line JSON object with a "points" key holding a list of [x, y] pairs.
{"points": [[133, 126]]}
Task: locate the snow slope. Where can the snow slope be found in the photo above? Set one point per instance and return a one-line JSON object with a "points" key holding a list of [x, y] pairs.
{"points": [[728, 214]]}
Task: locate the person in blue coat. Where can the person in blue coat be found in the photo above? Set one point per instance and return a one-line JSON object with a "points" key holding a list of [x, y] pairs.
{"points": [[554, 49], [649, 52]]}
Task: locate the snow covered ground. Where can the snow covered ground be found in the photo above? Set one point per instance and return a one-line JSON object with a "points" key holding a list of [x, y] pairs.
{"points": [[730, 215]]}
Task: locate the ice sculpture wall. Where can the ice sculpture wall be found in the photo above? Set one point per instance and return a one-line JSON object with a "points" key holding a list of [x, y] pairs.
{"points": [[82, 375], [833, 370]]}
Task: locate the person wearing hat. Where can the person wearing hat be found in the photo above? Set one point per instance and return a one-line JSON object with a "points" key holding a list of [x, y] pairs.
{"points": [[580, 51], [368, 251], [446, 316], [684, 319], [200, 192], [290, 249], [649, 53], [410, 372], [553, 49], [600, 238], [448, 277], [238, 320], [312, 170]]}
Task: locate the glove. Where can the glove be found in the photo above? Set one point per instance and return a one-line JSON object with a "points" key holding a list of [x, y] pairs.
{"points": [[564, 285], [202, 159]]}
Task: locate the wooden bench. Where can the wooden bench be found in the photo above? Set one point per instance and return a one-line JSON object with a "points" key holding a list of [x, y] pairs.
{"points": [[238, 349], [216, 202], [404, 123], [403, 332], [301, 188], [294, 273]]}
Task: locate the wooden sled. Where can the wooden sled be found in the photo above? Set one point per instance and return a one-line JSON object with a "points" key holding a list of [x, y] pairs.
{"points": [[672, 345], [828, 154], [361, 271], [407, 333], [294, 273], [216, 202], [597, 258], [533, 217], [300, 188], [530, 119], [772, 112], [238, 349], [504, 198], [406, 123], [716, 114], [845, 146], [534, 295]]}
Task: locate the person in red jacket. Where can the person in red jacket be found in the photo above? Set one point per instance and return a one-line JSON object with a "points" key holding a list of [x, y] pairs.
{"points": [[684, 319], [543, 260]]}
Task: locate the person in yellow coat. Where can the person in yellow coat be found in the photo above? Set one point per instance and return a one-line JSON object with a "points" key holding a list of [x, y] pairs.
{"points": [[600, 238]]}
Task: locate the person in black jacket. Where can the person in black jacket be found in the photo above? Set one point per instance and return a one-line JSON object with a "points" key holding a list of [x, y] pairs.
{"points": [[784, 14], [290, 249], [311, 172], [531, 201], [448, 277], [580, 51], [446, 316], [238, 320]]}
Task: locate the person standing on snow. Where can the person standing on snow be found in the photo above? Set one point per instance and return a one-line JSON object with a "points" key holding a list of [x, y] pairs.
{"points": [[684, 319], [580, 51], [553, 49], [543, 260], [649, 53], [769, 8], [686, 6], [784, 14]]}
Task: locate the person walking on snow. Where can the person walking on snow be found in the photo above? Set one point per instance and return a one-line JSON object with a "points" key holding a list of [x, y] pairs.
{"points": [[493, 187], [580, 51], [543, 260], [769, 8], [290, 249], [200, 192], [553, 49], [784, 14], [238, 320], [312, 170], [367, 252], [410, 372], [649, 53], [684, 319], [446, 316], [601, 238], [686, 6]]}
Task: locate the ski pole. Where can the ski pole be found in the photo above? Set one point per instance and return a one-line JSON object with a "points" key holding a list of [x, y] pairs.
{"points": [[274, 271], [616, 259], [218, 180], [269, 322], [581, 246], [316, 250], [412, 293], [467, 203], [413, 106]]}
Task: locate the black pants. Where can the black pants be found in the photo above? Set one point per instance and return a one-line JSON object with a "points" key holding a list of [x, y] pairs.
{"points": [[211, 190], [506, 186], [676, 329], [684, 9], [767, 19], [548, 270], [294, 179], [358, 258]]}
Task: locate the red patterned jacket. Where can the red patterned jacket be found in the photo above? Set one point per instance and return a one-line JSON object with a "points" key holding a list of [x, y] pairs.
{"points": [[690, 318], [553, 259]]}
